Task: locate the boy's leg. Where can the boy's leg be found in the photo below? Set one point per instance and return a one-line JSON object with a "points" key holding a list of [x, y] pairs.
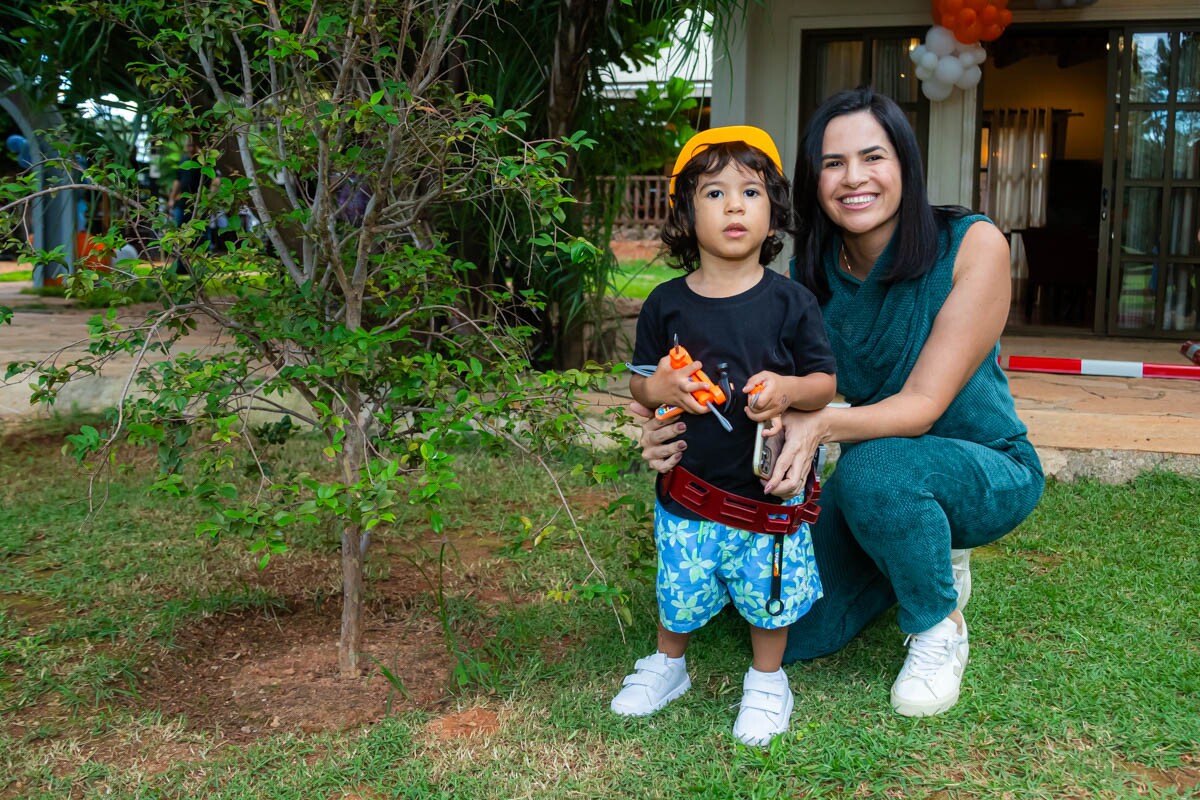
{"points": [[672, 644], [768, 647], [683, 606]]}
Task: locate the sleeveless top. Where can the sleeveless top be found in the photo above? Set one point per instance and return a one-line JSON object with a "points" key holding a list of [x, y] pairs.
{"points": [[877, 332]]}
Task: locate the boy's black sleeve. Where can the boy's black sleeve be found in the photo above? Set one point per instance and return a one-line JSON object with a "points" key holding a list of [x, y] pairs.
{"points": [[812, 353]]}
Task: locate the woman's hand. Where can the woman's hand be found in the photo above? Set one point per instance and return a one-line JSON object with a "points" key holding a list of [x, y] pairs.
{"points": [[803, 431], [658, 448]]}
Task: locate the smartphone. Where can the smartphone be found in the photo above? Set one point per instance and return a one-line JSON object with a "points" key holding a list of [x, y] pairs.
{"points": [[766, 450]]}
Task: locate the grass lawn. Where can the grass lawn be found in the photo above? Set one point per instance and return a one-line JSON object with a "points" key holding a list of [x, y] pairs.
{"points": [[137, 661], [635, 278]]}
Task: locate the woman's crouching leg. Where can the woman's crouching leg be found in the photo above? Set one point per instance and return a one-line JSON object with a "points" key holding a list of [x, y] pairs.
{"points": [[855, 590]]}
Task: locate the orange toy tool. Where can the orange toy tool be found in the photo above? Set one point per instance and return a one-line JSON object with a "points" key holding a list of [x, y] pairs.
{"points": [[710, 397]]}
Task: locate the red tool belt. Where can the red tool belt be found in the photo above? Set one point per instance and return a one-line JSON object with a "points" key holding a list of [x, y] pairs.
{"points": [[718, 505]]}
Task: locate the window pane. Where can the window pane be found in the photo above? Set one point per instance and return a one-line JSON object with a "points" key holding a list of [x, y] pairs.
{"points": [[1182, 300], [1147, 135], [893, 69], [840, 67], [1185, 222], [1150, 67], [1187, 144], [1140, 225], [1189, 67], [1135, 306]]}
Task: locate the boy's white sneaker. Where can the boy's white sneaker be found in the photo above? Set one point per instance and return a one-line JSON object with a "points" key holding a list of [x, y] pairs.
{"points": [[766, 707], [929, 681], [960, 567], [655, 681]]}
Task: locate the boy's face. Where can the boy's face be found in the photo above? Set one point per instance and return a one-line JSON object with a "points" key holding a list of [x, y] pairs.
{"points": [[733, 214]]}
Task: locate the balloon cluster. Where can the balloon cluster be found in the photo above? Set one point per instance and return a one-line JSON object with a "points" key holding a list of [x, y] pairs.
{"points": [[951, 54], [972, 21], [943, 62]]}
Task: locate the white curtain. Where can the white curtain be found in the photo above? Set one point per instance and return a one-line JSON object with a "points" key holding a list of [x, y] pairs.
{"points": [[1018, 167], [1018, 175]]}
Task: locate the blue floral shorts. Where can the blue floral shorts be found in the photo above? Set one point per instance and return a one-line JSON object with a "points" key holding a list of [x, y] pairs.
{"points": [[702, 565]]}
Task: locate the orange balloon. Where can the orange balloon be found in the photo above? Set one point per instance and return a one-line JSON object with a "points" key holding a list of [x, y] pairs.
{"points": [[966, 17], [1005, 17], [951, 6], [967, 34], [990, 33], [989, 15], [975, 5]]}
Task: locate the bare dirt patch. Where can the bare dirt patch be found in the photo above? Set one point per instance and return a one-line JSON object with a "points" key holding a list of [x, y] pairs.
{"points": [[248, 674], [472, 722]]}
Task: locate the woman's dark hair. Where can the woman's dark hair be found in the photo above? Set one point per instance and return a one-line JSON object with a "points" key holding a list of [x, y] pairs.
{"points": [[679, 231], [919, 223]]}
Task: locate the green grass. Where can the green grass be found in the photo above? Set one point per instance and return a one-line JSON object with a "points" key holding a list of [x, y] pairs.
{"points": [[17, 276], [1084, 678], [635, 278]]}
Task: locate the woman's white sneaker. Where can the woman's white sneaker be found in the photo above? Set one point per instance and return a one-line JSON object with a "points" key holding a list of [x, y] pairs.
{"points": [[655, 681], [929, 681], [766, 707]]}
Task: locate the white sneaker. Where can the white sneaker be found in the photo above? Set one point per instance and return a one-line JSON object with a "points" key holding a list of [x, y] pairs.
{"points": [[655, 681], [960, 566], [929, 681], [766, 707]]}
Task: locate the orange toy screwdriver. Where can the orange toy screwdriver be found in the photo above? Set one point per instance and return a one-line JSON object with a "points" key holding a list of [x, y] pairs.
{"points": [[710, 397]]}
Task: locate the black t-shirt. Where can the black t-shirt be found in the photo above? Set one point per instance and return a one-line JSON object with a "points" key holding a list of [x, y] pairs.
{"points": [[776, 325]]}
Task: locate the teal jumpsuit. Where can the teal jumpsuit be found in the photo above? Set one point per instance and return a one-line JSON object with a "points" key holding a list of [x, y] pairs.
{"points": [[894, 507]]}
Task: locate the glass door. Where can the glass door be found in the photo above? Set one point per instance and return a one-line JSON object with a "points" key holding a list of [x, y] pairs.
{"points": [[1153, 286]]}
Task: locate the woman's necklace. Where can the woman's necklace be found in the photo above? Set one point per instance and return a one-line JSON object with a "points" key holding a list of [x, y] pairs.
{"points": [[846, 261]]}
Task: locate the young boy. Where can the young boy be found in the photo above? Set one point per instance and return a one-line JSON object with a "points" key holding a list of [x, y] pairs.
{"points": [[751, 330]]}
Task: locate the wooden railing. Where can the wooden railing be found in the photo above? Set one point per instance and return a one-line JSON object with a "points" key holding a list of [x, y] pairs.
{"points": [[643, 199]]}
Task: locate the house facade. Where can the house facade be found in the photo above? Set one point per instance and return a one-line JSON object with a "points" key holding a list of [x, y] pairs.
{"points": [[1082, 140]]}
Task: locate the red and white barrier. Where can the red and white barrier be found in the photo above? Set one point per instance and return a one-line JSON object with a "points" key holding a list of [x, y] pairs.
{"points": [[1091, 366]]}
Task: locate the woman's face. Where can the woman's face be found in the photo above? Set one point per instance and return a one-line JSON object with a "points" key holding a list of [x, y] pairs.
{"points": [[859, 184]]}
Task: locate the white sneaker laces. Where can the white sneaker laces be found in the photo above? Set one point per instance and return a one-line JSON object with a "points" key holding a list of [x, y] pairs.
{"points": [[927, 653]]}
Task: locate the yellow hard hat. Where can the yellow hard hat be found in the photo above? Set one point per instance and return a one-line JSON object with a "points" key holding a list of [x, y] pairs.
{"points": [[755, 137]]}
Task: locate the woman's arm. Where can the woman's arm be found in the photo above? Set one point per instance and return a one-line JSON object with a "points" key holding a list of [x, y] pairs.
{"points": [[964, 332]]}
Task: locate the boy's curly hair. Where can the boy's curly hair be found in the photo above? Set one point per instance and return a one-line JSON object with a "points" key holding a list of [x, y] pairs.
{"points": [[679, 231]]}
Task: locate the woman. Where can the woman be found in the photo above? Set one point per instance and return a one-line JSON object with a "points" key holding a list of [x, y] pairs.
{"points": [[934, 460]]}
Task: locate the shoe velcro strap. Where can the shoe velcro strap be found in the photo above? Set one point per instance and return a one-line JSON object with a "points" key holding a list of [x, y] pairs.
{"points": [[770, 703], [641, 678]]}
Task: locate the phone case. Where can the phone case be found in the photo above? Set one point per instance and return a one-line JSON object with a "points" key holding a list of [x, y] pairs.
{"points": [[765, 452]]}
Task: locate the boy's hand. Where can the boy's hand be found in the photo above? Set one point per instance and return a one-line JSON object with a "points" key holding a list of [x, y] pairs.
{"points": [[769, 401], [674, 387]]}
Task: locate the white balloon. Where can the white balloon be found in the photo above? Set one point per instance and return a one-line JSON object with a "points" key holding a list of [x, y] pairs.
{"points": [[916, 53], [940, 40], [966, 59], [929, 61], [922, 73], [936, 91], [970, 77], [980, 54], [949, 70]]}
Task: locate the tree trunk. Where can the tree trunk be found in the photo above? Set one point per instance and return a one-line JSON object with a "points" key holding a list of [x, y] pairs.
{"points": [[353, 552], [577, 21], [350, 641]]}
